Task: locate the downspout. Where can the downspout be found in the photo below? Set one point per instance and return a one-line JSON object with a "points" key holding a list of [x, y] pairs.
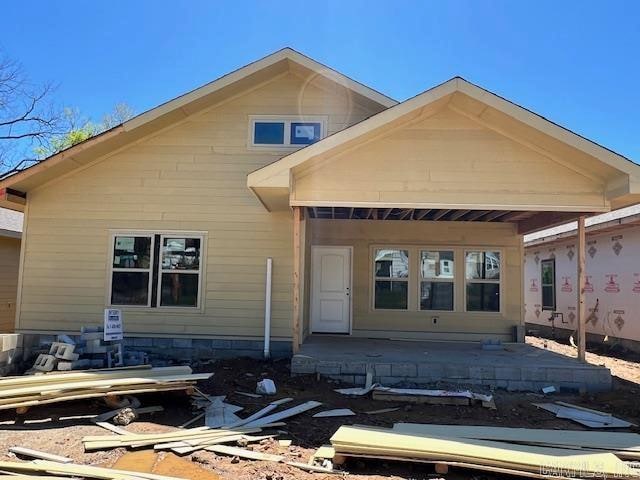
{"points": [[267, 309]]}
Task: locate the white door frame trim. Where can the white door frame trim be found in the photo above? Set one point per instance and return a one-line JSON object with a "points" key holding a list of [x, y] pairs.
{"points": [[311, 289]]}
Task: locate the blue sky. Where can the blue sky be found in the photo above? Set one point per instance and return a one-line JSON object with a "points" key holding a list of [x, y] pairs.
{"points": [[575, 62]]}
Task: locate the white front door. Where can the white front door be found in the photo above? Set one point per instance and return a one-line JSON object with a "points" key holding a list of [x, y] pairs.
{"points": [[330, 289]]}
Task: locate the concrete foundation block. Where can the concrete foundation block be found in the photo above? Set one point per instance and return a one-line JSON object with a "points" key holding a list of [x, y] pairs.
{"points": [[482, 372], [560, 375], [388, 381], [404, 370], [533, 374], [353, 368], [247, 345], [520, 386], [456, 371], [163, 342], [328, 368], [182, 343], [218, 344], [508, 373], [382, 370], [433, 371], [142, 342]]}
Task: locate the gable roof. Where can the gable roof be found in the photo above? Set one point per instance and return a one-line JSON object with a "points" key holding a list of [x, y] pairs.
{"points": [[10, 223], [476, 101], [181, 107]]}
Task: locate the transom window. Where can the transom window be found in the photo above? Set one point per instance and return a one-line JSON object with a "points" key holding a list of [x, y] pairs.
{"points": [[391, 277], [156, 270], [269, 131], [482, 275], [548, 283], [436, 280]]}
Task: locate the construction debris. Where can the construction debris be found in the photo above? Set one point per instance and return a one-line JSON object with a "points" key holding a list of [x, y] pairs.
{"points": [[31, 390], [434, 397], [516, 459], [382, 410], [587, 417], [39, 469], [338, 412], [266, 387], [28, 452]]}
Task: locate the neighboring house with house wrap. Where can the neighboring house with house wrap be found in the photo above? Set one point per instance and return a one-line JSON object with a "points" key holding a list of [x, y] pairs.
{"points": [[382, 219], [613, 278], [10, 233]]}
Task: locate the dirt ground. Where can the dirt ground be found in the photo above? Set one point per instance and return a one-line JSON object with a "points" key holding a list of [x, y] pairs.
{"points": [[59, 428]]}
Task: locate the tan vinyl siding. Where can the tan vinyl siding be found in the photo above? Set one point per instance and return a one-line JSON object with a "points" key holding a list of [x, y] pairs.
{"points": [[446, 159], [364, 235], [9, 264], [191, 177]]}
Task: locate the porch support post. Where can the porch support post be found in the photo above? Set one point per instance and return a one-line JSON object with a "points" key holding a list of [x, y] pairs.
{"points": [[297, 258], [581, 296]]}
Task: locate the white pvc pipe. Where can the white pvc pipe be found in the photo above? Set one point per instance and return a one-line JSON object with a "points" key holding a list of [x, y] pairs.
{"points": [[267, 309]]}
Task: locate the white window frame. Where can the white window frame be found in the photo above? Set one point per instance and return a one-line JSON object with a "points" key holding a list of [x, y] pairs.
{"points": [[152, 233], [406, 279], [499, 282], [113, 269], [198, 272], [553, 284], [421, 279], [287, 120]]}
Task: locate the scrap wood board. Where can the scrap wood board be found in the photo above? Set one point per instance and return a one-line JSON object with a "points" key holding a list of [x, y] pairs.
{"points": [[571, 438], [386, 442], [587, 418], [397, 397]]}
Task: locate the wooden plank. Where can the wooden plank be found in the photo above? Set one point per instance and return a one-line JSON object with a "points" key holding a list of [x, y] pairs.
{"points": [[244, 453], [297, 259], [419, 399], [571, 438], [290, 412], [337, 412], [28, 452], [582, 278], [518, 457]]}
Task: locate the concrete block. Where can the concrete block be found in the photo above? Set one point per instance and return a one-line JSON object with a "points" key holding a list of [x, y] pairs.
{"points": [[382, 370], [328, 368], [92, 336], [163, 342], [142, 342], [508, 373], [45, 363], [533, 374], [218, 344], [434, 371], [284, 348], [388, 381], [404, 370], [303, 368], [560, 375], [353, 368], [521, 386], [482, 372], [456, 371], [203, 343], [343, 378], [247, 345], [182, 343], [359, 379], [10, 341], [422, 381]]}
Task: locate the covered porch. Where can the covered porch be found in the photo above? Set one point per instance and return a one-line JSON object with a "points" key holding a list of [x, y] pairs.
{"points": [[409, 226], [516, 367]]}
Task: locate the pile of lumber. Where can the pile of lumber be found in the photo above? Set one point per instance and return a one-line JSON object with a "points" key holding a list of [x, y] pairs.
{"points": [[516, 451], [30, 390], [44, 469]]}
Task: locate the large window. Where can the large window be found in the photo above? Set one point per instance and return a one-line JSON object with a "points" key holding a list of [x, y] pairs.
{"points": [[436, 280], [391, 277], [156, 270], [548, 283], [482, 275], [267, 131]]}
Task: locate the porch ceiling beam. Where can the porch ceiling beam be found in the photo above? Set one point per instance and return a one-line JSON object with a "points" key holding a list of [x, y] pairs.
{"points": [[406, 214], [494, 215], [542, 220], [457, 214], [386, 213], [439, 214], [475, 215], [422, 214]]}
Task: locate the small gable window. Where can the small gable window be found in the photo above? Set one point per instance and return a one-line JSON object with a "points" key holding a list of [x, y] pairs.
{"points": [[268, 131]]}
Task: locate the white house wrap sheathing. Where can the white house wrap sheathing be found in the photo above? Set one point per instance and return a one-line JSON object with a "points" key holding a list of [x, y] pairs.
{"points": [[613, 275]]}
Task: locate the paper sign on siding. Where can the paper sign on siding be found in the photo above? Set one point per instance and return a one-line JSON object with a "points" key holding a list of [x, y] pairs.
{"points": [[112, 324]]}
